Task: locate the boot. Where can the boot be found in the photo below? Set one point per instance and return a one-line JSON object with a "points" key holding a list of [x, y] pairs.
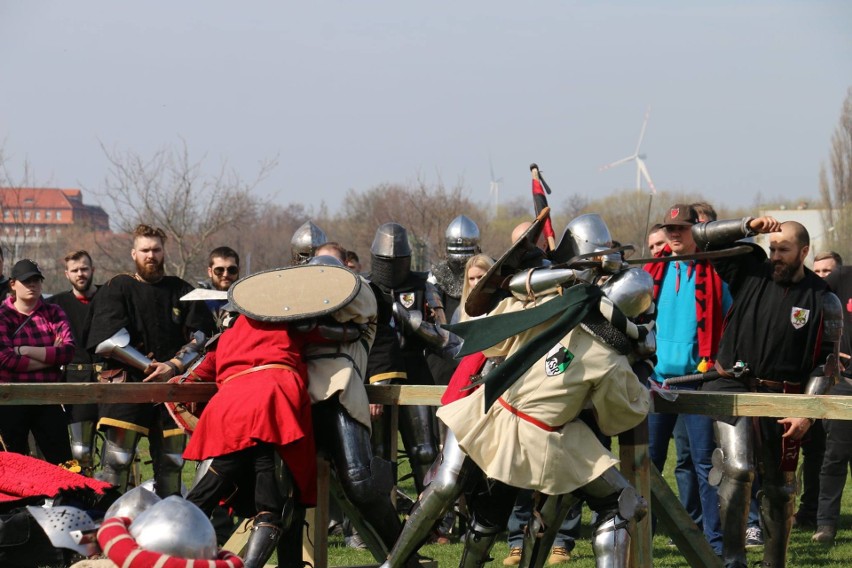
{"points": [[825, 534], [265, 533]]}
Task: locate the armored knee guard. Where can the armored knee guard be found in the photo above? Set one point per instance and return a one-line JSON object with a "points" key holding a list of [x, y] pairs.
{"points": [[118, 453], [416, 428], [83, 445], [733, 473], [449, 476], [168, 465], [616, 503], [543, 528]]}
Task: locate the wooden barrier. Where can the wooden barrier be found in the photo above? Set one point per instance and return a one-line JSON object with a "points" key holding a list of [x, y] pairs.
{"points": [[633, 445]]}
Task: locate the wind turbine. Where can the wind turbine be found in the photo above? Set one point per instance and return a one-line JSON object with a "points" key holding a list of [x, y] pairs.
{"points": [[641, 168], [494, 189]]}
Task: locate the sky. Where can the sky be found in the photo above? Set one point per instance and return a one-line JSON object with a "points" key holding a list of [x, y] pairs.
{"points": [[744, 96]]}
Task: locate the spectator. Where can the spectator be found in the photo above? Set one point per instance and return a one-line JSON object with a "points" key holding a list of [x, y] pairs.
{"points": [[838, 443], [75, 302], [827, 262], [37, 340], [691, 302]]}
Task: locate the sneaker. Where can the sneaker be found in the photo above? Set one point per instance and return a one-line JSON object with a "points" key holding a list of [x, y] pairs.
{"points": [[825, 534], [514, 557], [558, 554], [754, 537], [355, 541]]}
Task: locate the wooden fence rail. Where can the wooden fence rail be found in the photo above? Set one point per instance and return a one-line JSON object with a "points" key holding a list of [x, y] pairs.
{"points": [[633, 445]]}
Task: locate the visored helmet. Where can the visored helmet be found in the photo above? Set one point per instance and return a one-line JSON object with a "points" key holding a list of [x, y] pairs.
{"points": [[462, 238], [305, 241], [391, 256], [586, 235]]}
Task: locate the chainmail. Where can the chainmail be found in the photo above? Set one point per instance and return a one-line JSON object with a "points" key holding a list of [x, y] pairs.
{"points": [[598, 326], [449, 277]]}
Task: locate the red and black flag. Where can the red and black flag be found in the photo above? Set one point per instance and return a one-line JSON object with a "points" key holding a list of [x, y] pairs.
{"points": [[539, 186]]}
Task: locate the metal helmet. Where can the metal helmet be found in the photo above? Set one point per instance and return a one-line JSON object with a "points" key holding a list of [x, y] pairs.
{"points": [[391, 256], [67, 527], [586, 235], [326, 260], [176, 527], [632, 291], [132, 503], [462, 238], [305, 241]]}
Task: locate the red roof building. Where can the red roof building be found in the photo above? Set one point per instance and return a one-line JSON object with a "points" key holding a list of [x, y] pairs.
{"points": [[42, 212]]}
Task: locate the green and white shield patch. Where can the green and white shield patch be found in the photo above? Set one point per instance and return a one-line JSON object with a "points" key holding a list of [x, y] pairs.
{"points": [[557, 360]]}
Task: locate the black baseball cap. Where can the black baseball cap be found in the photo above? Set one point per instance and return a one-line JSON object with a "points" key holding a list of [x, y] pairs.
{"points": [[26, 269]]}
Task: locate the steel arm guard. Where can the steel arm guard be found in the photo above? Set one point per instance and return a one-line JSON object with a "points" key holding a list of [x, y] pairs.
{"points": [[718, 234], [528, 284], [412, 323], [189, 353]]}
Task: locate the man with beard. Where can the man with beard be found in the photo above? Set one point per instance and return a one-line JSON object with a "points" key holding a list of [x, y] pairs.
{"points": [[223, 268], [147, 307], [784, 325], [79, 271]]}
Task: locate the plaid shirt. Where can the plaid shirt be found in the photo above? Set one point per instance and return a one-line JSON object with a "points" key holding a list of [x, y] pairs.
{"points": [[48, 327]]}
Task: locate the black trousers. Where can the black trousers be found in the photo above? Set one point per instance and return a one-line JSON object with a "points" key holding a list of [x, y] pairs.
{"points": [[48, 424], [250, 469], [836, 465]]}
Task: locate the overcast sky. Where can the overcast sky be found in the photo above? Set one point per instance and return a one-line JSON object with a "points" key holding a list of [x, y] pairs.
{"points": [[744, 96]]}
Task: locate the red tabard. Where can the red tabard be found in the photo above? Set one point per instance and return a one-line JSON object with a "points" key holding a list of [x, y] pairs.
{"points": [[269, 405]]}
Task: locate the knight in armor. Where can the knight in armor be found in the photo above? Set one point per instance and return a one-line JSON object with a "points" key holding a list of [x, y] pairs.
{"points": [[447, 275], [83, 367], [130, 318], [304, 242], [406, 329], [520, 427], [783, 329], [361, 482]]}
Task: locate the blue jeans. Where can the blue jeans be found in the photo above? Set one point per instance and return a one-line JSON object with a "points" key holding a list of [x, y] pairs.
{"points": [[521, 513], [687, 481], [699, 430]]}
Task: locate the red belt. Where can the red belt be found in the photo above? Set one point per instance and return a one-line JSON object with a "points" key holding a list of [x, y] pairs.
{"points": [[528, 418]]}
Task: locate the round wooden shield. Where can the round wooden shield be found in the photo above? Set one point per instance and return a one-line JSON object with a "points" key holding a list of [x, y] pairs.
{"points": [[294, 292]]}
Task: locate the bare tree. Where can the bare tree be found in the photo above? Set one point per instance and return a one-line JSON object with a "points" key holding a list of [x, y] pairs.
{"points": [[835, 185], [172, 191]]}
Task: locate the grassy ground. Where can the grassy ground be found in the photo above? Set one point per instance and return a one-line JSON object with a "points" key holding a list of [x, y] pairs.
{"points": [[802, 552]]}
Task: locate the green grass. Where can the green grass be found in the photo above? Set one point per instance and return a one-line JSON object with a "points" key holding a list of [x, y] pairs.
{"points": [[802, 552]]}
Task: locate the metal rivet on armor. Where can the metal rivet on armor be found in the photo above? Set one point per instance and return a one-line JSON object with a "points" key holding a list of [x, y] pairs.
{"points": [[286, 308], [325, 301]]}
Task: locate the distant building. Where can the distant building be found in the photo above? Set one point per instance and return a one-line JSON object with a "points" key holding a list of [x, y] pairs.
{"points": [[38, 214]]}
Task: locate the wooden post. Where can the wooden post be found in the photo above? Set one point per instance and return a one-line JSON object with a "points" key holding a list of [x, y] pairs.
{"points": [[633, 452], [685, 534]]}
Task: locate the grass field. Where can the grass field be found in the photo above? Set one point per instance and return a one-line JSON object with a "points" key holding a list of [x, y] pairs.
{"points": [[802, 552]]}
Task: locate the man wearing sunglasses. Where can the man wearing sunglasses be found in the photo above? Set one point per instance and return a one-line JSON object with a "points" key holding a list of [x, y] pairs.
{"points": [[223, 268]]}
